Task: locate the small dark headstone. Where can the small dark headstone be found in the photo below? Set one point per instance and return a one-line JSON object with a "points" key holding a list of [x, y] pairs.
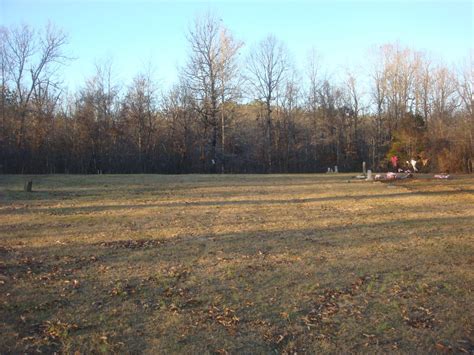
{"points": [[28, 186]]}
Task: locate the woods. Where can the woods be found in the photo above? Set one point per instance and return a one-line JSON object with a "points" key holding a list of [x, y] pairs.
{"points": [[235, 108]]}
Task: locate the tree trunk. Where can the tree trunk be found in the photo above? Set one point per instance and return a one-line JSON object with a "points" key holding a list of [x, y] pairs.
{"points": [[223, 138], [269, 139], [28, 186]]}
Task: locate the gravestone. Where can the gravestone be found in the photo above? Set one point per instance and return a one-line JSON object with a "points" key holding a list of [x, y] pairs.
{"points": [[28, 186], [364, 168], [335, 169], [369, 175]]}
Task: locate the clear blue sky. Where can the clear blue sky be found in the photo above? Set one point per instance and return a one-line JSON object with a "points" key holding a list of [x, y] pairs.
{"points": [[134, 33]]}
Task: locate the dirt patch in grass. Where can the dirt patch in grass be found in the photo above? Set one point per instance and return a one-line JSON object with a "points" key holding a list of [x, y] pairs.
{"points": [[236, 264]]}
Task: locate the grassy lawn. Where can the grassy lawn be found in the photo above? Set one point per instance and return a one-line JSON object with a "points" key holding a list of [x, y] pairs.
{"points": [[236, 264]]}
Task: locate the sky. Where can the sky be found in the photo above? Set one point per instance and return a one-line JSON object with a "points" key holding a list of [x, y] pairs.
{"points": [[136, 35]]}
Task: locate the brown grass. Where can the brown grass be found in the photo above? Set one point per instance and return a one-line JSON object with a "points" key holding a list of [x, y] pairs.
{"points": [[237, 264]]}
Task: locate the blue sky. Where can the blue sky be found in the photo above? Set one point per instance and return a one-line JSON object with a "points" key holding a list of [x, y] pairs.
{"points": [[135, 33]]}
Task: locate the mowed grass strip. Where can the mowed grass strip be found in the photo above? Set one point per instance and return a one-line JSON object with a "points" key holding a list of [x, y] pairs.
{"points": [[236, 264]]}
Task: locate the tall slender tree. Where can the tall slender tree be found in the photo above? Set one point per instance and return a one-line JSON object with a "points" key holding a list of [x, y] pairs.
{"points": [[267, 67], [210, 74]]}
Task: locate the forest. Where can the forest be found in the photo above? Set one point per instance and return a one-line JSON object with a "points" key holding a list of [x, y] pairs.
{"points": [[231, 113]]}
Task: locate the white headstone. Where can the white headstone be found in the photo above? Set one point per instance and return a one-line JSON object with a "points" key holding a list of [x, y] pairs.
{"points": [[364, 168], [335, 169], [369, 175]]}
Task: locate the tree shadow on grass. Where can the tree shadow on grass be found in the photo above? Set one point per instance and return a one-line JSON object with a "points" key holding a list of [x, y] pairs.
{"points": [[223, 202], [176, 278]]}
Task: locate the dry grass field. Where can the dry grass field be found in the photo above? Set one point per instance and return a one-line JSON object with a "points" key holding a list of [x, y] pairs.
{"points": [[236, 264]]}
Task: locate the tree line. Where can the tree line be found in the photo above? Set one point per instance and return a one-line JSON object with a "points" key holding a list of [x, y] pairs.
{"points": [[230, 113]]}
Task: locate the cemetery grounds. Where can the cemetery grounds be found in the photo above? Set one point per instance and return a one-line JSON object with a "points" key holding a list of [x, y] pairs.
{"points": [[236, 264]]}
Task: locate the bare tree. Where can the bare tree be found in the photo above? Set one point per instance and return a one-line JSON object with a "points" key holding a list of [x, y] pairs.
{"points": [[465, 91], [5, 93], [177, 107], [210, 74], [443, 101], [98, 105], [465, 85], [267, 67], [395, 82], [379, 96], [290, 105], [313, 72], [313, 69], [353, 102], [229, 81], [139, 109], [394, 92], [33, 60]]}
